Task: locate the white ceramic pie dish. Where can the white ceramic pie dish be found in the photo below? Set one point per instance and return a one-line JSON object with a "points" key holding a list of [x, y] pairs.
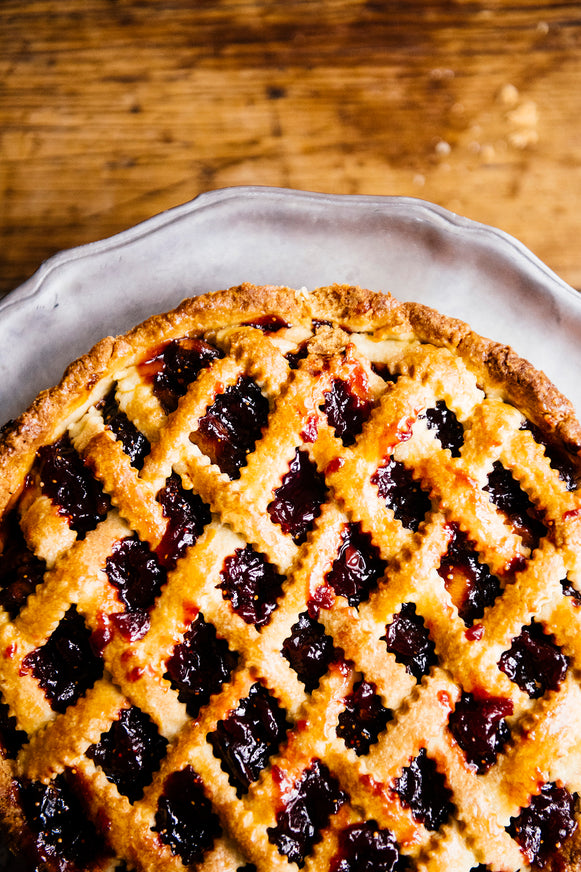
{"points": [[416, 250]]}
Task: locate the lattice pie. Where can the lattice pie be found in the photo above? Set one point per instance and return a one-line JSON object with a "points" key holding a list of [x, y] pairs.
{"points": [[293, 580]]}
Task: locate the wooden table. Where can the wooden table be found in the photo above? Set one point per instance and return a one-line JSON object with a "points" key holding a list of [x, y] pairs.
{"points": [[114, 110]]}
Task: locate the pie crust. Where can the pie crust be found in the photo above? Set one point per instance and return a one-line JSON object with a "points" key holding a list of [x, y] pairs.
{"points": [[292, 579]]}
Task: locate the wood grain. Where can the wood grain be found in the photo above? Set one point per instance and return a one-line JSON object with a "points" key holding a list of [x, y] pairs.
{"points": [[114, 110]]}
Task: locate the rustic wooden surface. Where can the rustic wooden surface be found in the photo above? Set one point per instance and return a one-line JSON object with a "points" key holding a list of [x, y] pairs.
{"points": [[114, 110]]}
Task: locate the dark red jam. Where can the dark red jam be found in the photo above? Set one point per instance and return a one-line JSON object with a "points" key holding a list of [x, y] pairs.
{"points": [[232, 425], [20, 570], [187, 516], [558, 458], [470, 583], [542, 827], [252, 585], [570, 590], [357, 568], [408, 638], [134, 443], [138, 576], [295, 357], [184, 819], [71, 486], [306, 811], [249, 736], [297, 502], [402, 493], [422, 789], [309, 650], [346, 411], [480, 728], [446, 426], [65, 666], [363, 719], [64, 839], [534, 662], [268, 323], [130, 752], [176, 366], [365, 847], [11, 738], [508, 496], [200, 665]]}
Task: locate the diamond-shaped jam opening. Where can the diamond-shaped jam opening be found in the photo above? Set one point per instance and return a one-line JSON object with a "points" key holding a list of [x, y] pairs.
{"points": [[232, 425], [542, 827], [346, 410], [363, 719], [134, 443], [63, 838], [306, 811], [308, 650], [357, 568], [11, 738], [469, 582], [20, 570], [65, 666], [130, 752], [297, 502], [402, 493], [71, 486], [422, 789], [534, 661], [480, 728], [184, 819], [200, 665], [249, 736], [558, 459], [510, 499], [175, 366], [187, 516], [364, 847], [408, 639], [446, 426], [251, 584], [137, 575]]}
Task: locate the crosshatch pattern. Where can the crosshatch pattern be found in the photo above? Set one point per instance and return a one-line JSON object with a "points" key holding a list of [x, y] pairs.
{"points": [[299, 592]]}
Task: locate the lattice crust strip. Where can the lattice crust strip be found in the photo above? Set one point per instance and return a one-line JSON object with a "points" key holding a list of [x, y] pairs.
{"points": [[295, 583]]}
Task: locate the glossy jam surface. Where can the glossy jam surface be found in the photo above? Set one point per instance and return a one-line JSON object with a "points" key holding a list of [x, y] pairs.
{"points": [[306, 810], [545, 824], [11, 738], [249, 736], [363, 719], [187, 516], [232, 425], [268, 323], [200, 665], [407, 637], [558, 459], [70, 485], [422, 789], [134, 443], [446, 426], [65, 666], [138, 576], [251, 585], [534, 662], [402, 493], [20, 570], [308, 650], [184, 819], [130, 752], [365, 847], [297, 502], [469, 582], [176, 366], [480, 728], [346, 411], [357, 567], [508, 496]]}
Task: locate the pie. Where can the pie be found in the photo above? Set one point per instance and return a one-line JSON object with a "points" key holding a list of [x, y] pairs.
{"points": [[292, 580]]}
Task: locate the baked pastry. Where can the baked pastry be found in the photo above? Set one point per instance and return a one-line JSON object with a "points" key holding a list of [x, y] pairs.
{"points": [[293, 580]]}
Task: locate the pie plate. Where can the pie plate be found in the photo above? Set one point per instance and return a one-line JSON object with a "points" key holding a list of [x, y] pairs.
{"points": [[414, 249]]}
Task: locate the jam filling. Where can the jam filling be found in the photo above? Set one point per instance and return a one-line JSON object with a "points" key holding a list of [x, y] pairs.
{"points": [[470, 583], [295, 357], [232, 425], [138, 576], [402, 493], [65, 666], [252, 585], [534, 662], [130, 752], [508, 496], [177, 366], [184, 818], [541, 828], [480, 728], [309, 650], [357, 567], [63, 838], [249, 736], [365, 847], [11, 738], [408, 638], [422, 789], [346, 411], [268, 323], [447, 427], [570, 590], [187, 516], [20, 570], [306, 811], [558, 459], [200, 665], [297, 502], [70, 485], [134, 443], [363, 719]]}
